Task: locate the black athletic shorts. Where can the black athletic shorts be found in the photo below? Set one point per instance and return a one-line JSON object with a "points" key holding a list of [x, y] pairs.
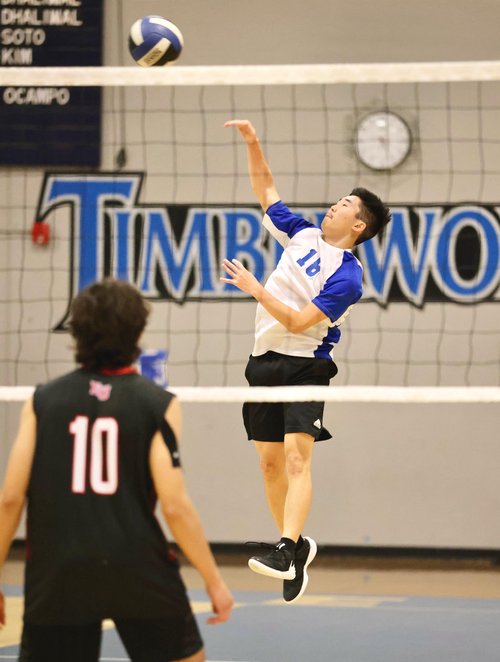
{"points": [[270, 421], [146, 640]]}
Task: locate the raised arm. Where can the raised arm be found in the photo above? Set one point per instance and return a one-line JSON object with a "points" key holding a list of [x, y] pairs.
{"points": [[260, 173], [183, 519]]}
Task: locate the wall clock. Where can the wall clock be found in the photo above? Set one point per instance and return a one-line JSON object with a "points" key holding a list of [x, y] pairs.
{"points": [[382, 140]]}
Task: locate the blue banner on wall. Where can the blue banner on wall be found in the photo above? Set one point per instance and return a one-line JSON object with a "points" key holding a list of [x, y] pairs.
{"points": [[173, 252]]}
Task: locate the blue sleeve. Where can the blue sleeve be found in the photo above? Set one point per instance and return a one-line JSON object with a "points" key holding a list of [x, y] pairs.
{"points": [[341, 290], [285, 221]]}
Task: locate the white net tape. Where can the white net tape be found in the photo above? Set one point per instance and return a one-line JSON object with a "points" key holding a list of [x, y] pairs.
{"points": [[416, 72], [382, 394]]}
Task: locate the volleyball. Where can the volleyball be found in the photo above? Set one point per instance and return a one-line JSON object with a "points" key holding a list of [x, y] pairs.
{"points": [[154, 41]]}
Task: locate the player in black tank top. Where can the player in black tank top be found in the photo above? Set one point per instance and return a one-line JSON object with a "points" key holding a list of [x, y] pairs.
{"points": [[80, 543], [94, 450]]}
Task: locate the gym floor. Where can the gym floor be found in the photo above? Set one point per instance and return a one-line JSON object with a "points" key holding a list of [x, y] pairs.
{"points": [[355, 610]]}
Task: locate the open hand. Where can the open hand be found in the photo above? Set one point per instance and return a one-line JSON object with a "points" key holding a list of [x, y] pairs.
{"points": [[241, 277], [246, 129]]}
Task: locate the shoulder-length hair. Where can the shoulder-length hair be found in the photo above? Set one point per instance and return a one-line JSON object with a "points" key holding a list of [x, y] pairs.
{"points": [[106, 321]]}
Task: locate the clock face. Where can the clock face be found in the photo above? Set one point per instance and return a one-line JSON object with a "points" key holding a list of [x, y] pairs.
{"points": [[383, 140]]}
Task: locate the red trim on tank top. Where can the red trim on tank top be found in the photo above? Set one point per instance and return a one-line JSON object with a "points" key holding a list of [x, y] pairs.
{"points": [[129, 370]]}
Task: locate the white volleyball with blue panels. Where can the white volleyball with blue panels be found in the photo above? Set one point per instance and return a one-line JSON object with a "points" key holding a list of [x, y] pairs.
{"points": [[154, 41]]}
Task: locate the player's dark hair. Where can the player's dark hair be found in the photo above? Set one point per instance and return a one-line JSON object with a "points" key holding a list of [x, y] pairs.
{"points": [[106, 321], [374, 213]]}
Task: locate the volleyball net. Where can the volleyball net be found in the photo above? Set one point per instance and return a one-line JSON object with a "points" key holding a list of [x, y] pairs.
{"points": [[170, 197]]}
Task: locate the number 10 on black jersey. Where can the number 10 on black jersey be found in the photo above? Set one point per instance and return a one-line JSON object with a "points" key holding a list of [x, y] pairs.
{"points": [[103, 456]]}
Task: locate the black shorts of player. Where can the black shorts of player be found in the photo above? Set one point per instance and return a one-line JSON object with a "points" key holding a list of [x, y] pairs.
{"points": [[146, 640], [270, 421]]}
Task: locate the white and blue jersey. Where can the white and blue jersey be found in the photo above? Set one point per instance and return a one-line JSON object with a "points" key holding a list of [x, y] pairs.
{"points": [[309, 269]]}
